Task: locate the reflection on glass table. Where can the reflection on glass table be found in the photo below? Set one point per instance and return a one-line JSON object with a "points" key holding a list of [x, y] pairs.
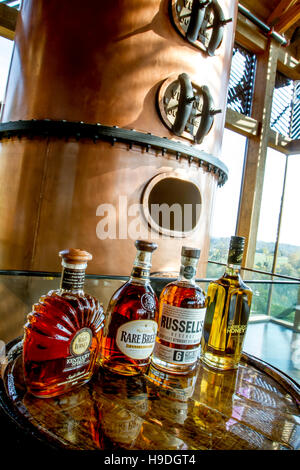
{"points": [[252, 407]]}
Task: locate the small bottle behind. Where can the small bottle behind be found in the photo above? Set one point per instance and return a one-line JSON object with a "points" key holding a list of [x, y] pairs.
{"points": [[181, 315], [227, 313], [131, 319], [62, 334]]}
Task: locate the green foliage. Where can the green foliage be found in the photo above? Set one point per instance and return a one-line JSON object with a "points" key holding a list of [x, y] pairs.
{"points": [[282, 297]]}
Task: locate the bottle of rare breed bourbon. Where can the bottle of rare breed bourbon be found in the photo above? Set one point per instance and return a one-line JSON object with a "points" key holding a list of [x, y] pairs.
{"points": [[227, 313], [131, 319], [62, 334], [181, 315]]}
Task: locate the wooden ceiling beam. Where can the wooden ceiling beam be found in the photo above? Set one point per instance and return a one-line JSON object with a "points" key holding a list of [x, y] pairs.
{"points": [[8, 20], [240, 123], [293, 148], [290, 17], [249, 36], [251, 194], [288, 65], [279, 10]]}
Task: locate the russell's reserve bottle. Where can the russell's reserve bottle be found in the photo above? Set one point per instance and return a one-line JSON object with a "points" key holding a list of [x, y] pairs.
{"points": [[227, 313], [181, 315], [131, 319], [62, 334]]}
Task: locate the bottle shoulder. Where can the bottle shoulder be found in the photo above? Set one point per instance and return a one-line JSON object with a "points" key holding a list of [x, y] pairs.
{"points": [[64, 313], [184, 295], [132, 289], [229, 282], [188, 287], [132, 301]]}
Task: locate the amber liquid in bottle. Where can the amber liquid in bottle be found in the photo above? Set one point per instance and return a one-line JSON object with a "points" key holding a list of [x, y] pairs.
{"points": [[131, 319], [62, 334], [227, 313], [181, 315]]}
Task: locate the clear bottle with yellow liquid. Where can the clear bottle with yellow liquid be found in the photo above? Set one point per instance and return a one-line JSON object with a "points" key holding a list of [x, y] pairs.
{"points": [[228, 303]]}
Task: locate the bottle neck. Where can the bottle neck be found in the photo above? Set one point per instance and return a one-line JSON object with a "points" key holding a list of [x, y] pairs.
{"points": [[73, 278], [141, 267], [188, 270], [233, 269], [234, 260]]}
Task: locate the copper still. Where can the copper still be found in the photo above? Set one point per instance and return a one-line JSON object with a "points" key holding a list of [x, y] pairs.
{"points": [[112, 106]]}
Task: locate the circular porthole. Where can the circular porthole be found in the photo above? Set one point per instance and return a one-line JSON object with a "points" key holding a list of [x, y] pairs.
{"points": [[172, 204]]}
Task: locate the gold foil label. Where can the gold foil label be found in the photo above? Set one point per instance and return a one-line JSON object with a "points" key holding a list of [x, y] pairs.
{"points": [[81, 342]]}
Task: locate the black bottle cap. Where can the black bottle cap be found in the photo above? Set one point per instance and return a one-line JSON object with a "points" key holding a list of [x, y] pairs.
{"points": [[190, 252], [237, 242], [144, 245]]}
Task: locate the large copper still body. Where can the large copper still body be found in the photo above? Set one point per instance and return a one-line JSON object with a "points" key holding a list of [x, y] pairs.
{"points": [[83, 137]]}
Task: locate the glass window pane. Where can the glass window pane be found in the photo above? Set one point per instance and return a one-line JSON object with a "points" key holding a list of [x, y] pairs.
{"points": [[288, 262], [285, 298], [227, 198], [6, 47], [270, 209]]}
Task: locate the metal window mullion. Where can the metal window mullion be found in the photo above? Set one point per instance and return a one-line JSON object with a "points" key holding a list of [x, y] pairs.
{"points": [[292, 110], [296, 113], [252, 80]]}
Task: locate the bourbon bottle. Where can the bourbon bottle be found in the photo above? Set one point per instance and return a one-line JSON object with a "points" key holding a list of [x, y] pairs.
{"points": [[227, 313], [181, 315], [131, 319], [62, 334]]}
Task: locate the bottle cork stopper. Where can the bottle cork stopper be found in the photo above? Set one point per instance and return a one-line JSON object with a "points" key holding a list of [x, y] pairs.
{"points": [[75, 256], [190, 252], [144, 245]]}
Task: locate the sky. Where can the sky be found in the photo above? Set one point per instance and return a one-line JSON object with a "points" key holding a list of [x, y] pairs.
{"points": [[6, 47], [227, 197]]}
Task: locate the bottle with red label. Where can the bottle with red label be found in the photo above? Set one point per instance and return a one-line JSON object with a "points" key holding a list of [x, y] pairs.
{"points": [[181, 316], [131, 319]]}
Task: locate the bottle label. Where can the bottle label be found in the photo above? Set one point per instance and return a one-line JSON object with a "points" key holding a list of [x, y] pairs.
{"points": [[148, 302], [136, 339], [72, 279], [79, 350], [81, 342], [77, 362], [140, 273], [181, 325], [142, 265], [189, 272], [176, 356], [188, 267], [236, 329]]}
